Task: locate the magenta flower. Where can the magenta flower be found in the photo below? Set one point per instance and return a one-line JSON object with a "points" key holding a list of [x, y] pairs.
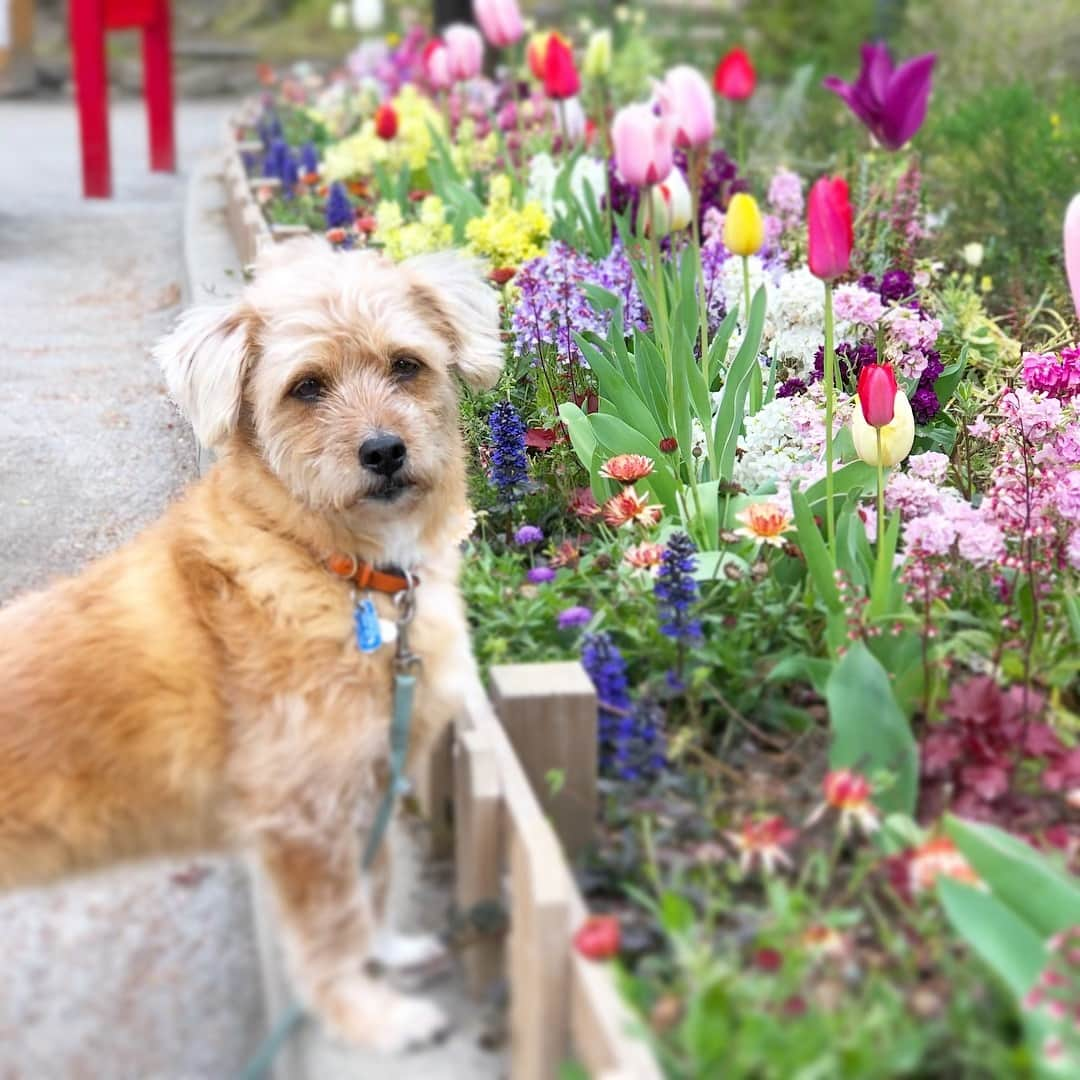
{"points": [[890, 101]]}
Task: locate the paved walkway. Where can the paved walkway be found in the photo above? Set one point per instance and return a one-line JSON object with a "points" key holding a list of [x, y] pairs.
{"points": [[148, 974]]}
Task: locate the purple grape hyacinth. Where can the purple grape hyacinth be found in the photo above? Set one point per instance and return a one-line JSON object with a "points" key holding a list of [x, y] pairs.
{"points": [[631, 745], [509, 466]]}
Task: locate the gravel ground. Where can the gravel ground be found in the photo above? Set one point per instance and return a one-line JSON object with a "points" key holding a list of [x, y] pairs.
{"points": [[147, 974]]}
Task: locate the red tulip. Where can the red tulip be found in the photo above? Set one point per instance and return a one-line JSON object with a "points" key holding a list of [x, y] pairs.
{"points": [[561, 79], [598, 938], [734, 77], [385, 122], [877, 394], [831, 233]]}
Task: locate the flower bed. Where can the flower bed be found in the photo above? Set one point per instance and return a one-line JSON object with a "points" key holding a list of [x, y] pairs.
{"points": [[804, 510]]}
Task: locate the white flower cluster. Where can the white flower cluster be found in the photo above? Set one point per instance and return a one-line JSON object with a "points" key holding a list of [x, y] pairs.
{"points": [[783, 441], [544, 176]]}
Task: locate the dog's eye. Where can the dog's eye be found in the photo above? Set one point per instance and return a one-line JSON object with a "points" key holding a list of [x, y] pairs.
{"points": [[404, 368], [307, 390]]}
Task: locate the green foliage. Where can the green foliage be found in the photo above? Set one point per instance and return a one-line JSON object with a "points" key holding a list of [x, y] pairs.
{"points": [[869, 732], [1005, 164]]}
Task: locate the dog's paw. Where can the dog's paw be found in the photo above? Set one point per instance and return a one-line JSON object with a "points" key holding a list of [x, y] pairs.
{"points": [[368, 1014], [405, 952], [415, 1022]]}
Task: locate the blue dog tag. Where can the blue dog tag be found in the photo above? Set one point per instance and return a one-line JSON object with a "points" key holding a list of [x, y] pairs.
{"points": [[368, 632]]}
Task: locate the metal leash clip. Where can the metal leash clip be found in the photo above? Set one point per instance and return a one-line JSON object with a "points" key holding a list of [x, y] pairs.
{"points": [[404, 658]]}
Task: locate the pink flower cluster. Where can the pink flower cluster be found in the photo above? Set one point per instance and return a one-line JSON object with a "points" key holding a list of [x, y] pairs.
{"points": [[1057, 376]]}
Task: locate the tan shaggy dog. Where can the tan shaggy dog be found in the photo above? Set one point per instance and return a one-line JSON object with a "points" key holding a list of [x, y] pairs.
{"points": [[202, 688]]}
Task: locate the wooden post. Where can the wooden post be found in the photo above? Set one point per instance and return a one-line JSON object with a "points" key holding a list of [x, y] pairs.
{"points": [[549, 714], [477, 862], [539, 952], [17, 72]]}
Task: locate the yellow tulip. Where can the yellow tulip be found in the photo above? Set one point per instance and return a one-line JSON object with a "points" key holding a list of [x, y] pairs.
{"points": [[596, 63], [744, 230], [897, 436]]}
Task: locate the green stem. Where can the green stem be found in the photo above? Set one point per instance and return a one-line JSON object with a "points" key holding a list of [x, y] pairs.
{"points": [[756, 385], [697, 169], [830, 406], [880, 500], [661, 307]]}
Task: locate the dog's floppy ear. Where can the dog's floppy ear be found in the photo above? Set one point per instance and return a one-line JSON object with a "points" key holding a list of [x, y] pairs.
{"points": [[205, 358], [470, 308]]}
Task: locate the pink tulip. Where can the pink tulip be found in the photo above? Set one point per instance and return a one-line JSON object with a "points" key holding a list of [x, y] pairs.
{"points": [[830, 230], [500, 20], [465, 51], [643, 145], [685, 96], [1072, 250], [436, 62]]}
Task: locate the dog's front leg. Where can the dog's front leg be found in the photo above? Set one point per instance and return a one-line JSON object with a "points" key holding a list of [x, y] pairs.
{"points": [[328, 922]]}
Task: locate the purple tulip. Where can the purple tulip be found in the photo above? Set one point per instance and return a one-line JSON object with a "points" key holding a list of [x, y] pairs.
{"points": [[890, 101]]}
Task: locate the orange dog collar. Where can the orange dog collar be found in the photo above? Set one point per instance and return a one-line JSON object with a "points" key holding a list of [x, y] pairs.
{"points": [[366, 576]]}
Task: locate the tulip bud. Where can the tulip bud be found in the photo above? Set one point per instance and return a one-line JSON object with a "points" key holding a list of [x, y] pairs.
{"points": [[386, 122], [1072, 250], [367, 14], [500, 20], [597, 61], [339, 16], [744, 230], [670, 205], [436, 63], [735, 77], [830, 231], [877, 394], [465, 51], [643, 145], [897, 436], [561, 80], [685, 96]]}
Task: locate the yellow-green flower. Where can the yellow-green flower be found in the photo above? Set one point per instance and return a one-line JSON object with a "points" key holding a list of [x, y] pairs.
{"points": [[356, 156], [596, 63], [401, 239], [744, 230], [471, 154], [503, 235]]}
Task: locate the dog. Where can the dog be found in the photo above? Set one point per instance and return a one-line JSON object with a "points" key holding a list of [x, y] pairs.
{"points": [[201, 688]]}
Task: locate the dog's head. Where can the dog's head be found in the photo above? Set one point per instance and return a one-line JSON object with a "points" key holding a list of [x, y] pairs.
{"points": [[338, 368]]}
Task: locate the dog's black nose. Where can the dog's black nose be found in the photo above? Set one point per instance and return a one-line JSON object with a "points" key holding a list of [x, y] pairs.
{"points": [[382, 454]]}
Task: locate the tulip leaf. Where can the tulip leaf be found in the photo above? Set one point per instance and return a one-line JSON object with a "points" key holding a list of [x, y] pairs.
{"points": [[618, 390], [1002, 940], [854, 476], [819, 563], [729, 416], [1038, 892], [719, 345], [617, 437], [869, 732], [580, 431]]}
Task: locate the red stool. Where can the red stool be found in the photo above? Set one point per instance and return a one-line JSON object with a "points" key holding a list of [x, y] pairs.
{"points": [[90, 19]]}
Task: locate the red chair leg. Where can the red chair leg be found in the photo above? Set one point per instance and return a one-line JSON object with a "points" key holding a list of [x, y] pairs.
{"points": [[92, 95], [158, 89]]}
